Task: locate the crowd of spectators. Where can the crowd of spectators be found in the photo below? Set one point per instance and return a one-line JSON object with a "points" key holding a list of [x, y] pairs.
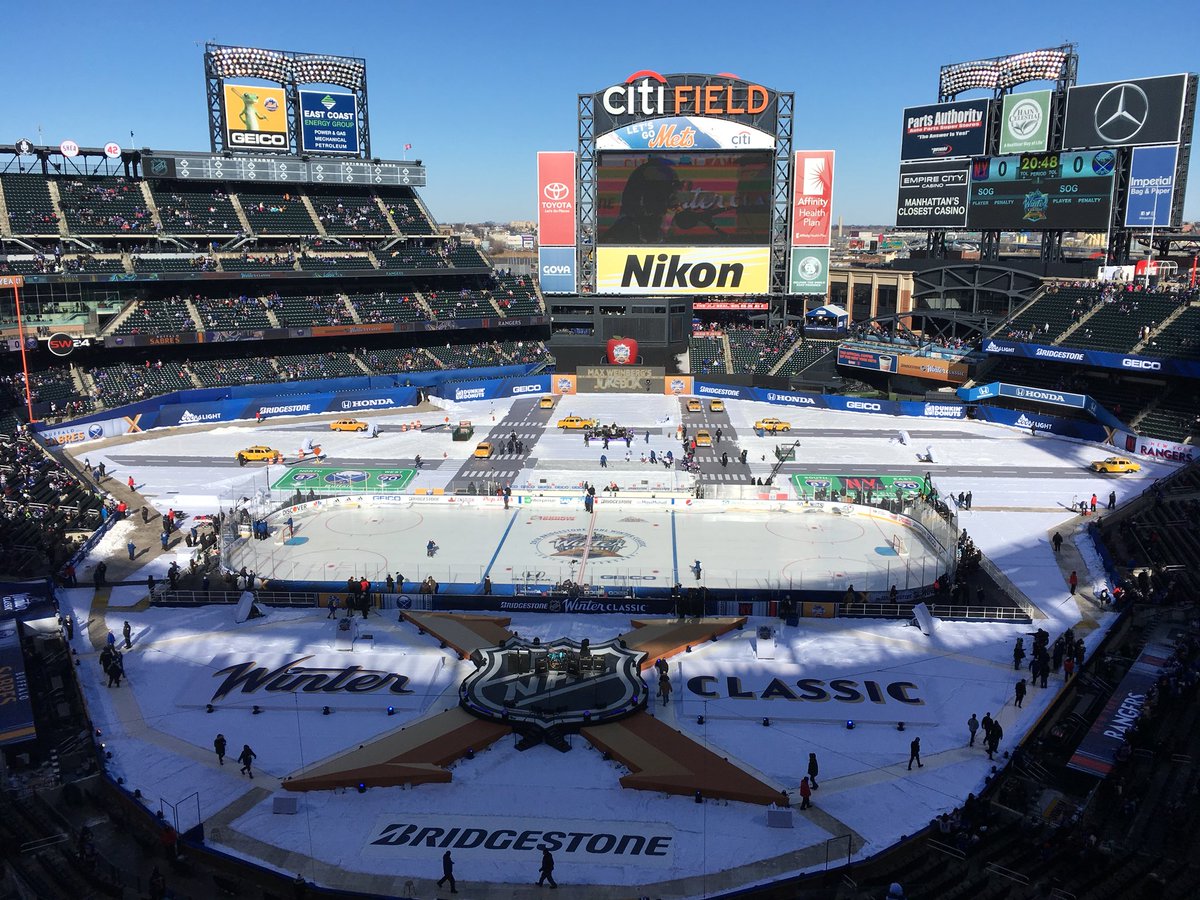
{"points": [[346, 215], [108, 204]]}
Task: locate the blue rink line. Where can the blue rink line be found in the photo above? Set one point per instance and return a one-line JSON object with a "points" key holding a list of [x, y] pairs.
{"points": [[674, 553], [500, 546]]}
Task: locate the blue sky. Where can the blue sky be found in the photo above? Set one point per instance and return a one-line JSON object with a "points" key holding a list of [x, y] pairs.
{"points": [[478, 88]]}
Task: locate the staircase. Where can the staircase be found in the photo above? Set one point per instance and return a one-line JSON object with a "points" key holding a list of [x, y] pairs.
{"points": [[56, 201], [425, 307], [77, 377], [727, 353], [362, 365], [241, 214], [354, 316], [387, 214], [272, 318], [783, 359], [196, 319], [1179, 311], [119, 318], [5, 224], [312, 211], [148, 196], [1061, 341]]}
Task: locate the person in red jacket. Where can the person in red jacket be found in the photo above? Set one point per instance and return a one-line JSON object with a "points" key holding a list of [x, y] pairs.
{"points": [[1073, 581], [805, 793]]}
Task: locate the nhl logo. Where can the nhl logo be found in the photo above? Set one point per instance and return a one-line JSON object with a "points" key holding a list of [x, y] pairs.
{"points": [[562, 684]]}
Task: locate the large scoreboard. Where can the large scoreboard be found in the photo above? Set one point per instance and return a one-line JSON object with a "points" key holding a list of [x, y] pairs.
{"points": [[1070, 191]]}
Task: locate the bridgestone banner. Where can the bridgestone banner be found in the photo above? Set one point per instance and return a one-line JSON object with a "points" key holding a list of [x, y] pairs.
{"points": [[933, 195]]}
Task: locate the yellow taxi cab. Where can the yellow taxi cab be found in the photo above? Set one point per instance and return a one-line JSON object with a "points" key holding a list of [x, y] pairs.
{"points": [[703, 439], [257, 453], [347, 425], [546, 403], [716, 406], [483, 450], [576, 422], [772, 425], [1116, 465], [694, 406]]}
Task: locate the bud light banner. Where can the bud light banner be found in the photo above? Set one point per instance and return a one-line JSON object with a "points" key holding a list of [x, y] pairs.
{"points": [[1185, 368], [1151, 187], [556, 199], [556, 270], [328, 123]]}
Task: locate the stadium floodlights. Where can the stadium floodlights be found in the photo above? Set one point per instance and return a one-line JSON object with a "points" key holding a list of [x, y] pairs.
{"points": [[285, 68], [1003, 72]]}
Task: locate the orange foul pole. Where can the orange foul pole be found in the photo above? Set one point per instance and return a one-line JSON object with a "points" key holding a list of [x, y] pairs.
{"points": [[17, 282]]}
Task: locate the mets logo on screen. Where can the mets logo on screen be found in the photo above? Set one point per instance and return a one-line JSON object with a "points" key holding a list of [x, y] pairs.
{"points": [[575, 545]]}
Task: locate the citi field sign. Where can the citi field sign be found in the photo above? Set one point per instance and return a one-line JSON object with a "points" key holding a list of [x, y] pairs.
{"points": [[647, 94]]}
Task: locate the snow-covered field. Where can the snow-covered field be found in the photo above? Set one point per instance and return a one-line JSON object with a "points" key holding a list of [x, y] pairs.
{"points": [[160, 736]]}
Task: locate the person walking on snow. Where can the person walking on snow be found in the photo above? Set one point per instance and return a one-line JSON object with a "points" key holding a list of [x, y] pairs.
{"points": [[1073, 581], [914, 754], [812, 770], [131, 487], [986, 724], [547, 869], [664, 688], [1112, 499], [972, 726], [1018, 653], [805, 793], [126, 632], [448, 872], [219, 746], [1020, 691], [246, 758], [1093, 502], [1057, 541]]}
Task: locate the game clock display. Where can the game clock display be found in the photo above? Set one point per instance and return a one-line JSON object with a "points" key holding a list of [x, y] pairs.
{"points": [[1042, 191]]}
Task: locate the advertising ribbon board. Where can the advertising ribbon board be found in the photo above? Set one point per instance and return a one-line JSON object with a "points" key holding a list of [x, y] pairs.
{"points": [[683, 270], [255, 118], [556, 270], [1151, 187], [556, 198], [812, 202], [328, 122]]}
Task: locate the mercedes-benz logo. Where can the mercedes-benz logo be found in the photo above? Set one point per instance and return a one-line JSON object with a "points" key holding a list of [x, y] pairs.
{"points": [[1121, 113], [556, 190]]}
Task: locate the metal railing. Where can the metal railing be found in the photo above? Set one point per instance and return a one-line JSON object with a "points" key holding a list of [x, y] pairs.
{"points": [[937, 610], [299, 599]]}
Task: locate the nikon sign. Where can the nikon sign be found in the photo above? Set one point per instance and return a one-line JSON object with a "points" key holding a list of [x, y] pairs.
{"points": [[683, 270]]}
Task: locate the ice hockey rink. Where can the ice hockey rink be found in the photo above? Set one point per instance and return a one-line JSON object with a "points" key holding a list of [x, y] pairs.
{"points": [[782, 546]]}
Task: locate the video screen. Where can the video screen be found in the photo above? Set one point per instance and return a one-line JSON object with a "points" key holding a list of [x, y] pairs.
{"points": [[684, 199]]}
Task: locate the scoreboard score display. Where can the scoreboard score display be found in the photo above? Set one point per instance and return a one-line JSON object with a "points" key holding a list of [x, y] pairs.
{"points": [[1042, 191]]}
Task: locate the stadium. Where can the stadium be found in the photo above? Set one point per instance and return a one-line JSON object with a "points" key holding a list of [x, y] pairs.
{"points": [[342, 559]]}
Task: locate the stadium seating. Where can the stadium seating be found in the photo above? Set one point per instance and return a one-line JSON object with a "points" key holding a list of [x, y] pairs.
{"points": [[1118, 324], [311, 310], [464, 256], [232, 313], [340, 262], [459, 304], [406, 213], [387, 307], [349, 212], [263, 262], [707, 355], [216, 373], [193, 209], [804, 356], [57, 387], [517, 297], [387, 361], [124, 383], [94, 265], [757, 350], [1176, 417], [1059, 307], [317, 365], [104, 205], [174, 263], [161, 316], [469, 356], [414, 255], [1181, 338], [30, 207], [282, 212], [524, 353]]}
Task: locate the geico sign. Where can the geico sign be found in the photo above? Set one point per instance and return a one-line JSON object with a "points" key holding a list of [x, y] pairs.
{"points": [[858, 404], [647, 94], [1141, 364], [258, 139], [527, 389]]}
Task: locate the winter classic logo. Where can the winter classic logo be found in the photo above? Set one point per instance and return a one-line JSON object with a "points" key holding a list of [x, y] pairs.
{"points": [[575, 544], [1036, 204], [678, 386]]}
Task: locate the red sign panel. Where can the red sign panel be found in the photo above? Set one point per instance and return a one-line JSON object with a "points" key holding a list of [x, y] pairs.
{"points": [[728, 304], [556, 199], [812, 199]]}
